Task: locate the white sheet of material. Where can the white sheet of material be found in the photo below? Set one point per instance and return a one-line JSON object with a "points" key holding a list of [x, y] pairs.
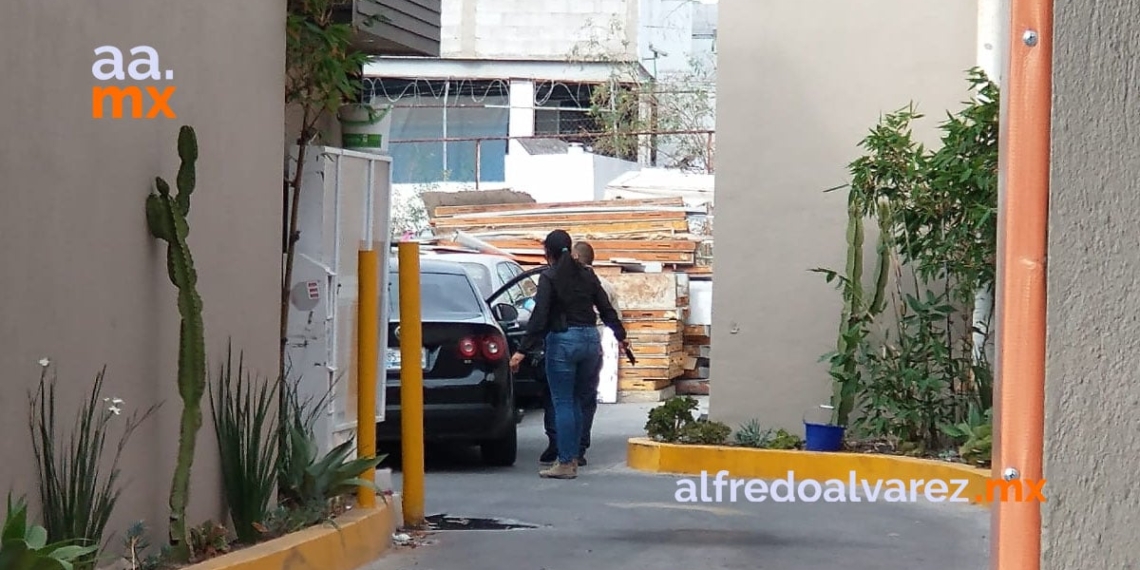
{"points": [[608, 384]]}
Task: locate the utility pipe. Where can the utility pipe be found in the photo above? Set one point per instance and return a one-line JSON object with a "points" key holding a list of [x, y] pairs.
{"points": [[1023, 225], [468, 240]]}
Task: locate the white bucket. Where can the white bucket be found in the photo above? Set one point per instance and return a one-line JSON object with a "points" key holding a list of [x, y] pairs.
{"points": [[365, 127]]}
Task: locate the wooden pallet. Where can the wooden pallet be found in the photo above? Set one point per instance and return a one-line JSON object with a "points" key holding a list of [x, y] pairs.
{"points": [[647, 396], [643, 350], [636, 337], [661, 315], [452, 211], [662, 326], [671, 360], [643, 385], [639, 372], [698, 350], [697, 373]]}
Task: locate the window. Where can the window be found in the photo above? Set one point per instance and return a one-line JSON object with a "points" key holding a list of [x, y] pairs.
{"points": [[514, 293], [521, 291], [481, 276], [564, 109], [529, 285], [443, 296], [432, 110]]}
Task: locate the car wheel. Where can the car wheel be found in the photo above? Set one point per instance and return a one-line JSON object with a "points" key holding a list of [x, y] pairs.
{"points": [[503, 451]]}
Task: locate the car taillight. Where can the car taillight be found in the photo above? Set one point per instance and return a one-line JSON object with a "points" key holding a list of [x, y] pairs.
{"points": [[494, 347], [468, 348]]}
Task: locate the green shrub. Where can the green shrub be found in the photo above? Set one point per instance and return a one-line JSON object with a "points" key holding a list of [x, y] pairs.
{"points": [[78, 477], [752, 435], [973, 436], [784, 440], [208, 540], [247, 445], [667, 420], [673, 422], [309, 484], [24, 547], [704, 432], [135, 546]]}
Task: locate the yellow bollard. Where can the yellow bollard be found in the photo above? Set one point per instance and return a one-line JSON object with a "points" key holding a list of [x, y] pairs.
{"points": [[411, 384], [368, 339]]}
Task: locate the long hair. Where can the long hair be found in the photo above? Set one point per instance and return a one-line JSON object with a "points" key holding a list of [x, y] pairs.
{"points": [[568, 272]]}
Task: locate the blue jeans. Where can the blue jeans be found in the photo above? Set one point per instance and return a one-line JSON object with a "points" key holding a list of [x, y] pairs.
{"points": [[589, 410], [573, 359]]}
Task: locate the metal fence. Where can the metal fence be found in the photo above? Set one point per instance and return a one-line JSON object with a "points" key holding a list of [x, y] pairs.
{"points": [[652, 149]]}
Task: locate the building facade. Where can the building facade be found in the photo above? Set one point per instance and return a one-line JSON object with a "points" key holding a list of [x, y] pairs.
{"points": [[772, 318], [789, 122], [515, 68], [87, 285]]}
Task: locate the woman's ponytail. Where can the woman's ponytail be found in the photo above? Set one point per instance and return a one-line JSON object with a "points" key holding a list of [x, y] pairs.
{"points": [[566, 269]]}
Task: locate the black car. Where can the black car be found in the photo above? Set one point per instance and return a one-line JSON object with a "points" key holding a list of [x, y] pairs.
{"points": [[530, 379], [468, 389]]}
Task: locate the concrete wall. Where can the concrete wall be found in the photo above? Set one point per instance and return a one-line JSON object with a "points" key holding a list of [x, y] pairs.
{"points": [[505, 29], [85, 284], [796, 93], [573, 177], [1091, 396]]}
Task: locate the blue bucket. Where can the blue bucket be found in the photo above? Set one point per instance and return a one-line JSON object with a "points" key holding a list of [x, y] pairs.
{"points": [[823, 437]]}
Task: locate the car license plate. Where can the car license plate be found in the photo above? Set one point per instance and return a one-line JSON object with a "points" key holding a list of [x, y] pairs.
{"points": [[395, 358]]}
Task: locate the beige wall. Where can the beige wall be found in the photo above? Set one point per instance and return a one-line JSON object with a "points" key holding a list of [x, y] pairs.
{"points": [[1092, 396], [799, 84], [84, 282]]}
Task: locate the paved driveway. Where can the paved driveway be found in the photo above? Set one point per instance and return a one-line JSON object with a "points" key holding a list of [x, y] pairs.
{"points": [[613, 518]]}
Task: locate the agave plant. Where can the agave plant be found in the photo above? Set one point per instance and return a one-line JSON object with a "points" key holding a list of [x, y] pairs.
{"points": [[24, 547], [247, 444], [317, 480], [308, 482]]}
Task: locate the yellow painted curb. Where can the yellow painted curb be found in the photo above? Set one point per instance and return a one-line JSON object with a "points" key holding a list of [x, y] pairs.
{"points": [[359, 537], [645, 454]]}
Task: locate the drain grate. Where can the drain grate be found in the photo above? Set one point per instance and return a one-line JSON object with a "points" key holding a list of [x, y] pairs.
{"points": [[446, 522]]}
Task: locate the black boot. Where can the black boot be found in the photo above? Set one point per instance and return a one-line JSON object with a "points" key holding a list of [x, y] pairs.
{"points": [[549, 456]]}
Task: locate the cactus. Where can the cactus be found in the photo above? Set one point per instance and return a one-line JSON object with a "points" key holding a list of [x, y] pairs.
{"points": [[856, 311], [166, 218]]}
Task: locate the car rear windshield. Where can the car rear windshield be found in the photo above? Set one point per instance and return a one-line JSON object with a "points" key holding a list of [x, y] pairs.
{"points": [[481, 276], [442, 296]]}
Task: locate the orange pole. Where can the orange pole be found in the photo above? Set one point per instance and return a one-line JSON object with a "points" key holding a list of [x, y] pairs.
{"points": [[1023, 219], [368, 359]]}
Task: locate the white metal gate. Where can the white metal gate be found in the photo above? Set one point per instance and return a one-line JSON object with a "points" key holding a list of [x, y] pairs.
{"points": [[345, 203]]}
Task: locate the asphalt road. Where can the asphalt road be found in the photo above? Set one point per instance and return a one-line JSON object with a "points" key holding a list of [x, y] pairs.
{"points": [[613, 518]]}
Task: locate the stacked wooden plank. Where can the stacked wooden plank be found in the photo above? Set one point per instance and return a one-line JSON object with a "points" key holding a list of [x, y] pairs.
{"points": [[653, 232], [648, 248], [653, 312], [697, 340]]}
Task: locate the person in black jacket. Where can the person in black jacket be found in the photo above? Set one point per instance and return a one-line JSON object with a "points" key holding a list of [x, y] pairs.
{"points": [[564, 316]]}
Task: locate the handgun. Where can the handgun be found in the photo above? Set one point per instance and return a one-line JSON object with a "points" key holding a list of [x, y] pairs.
{"points": [[629, 355]]}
